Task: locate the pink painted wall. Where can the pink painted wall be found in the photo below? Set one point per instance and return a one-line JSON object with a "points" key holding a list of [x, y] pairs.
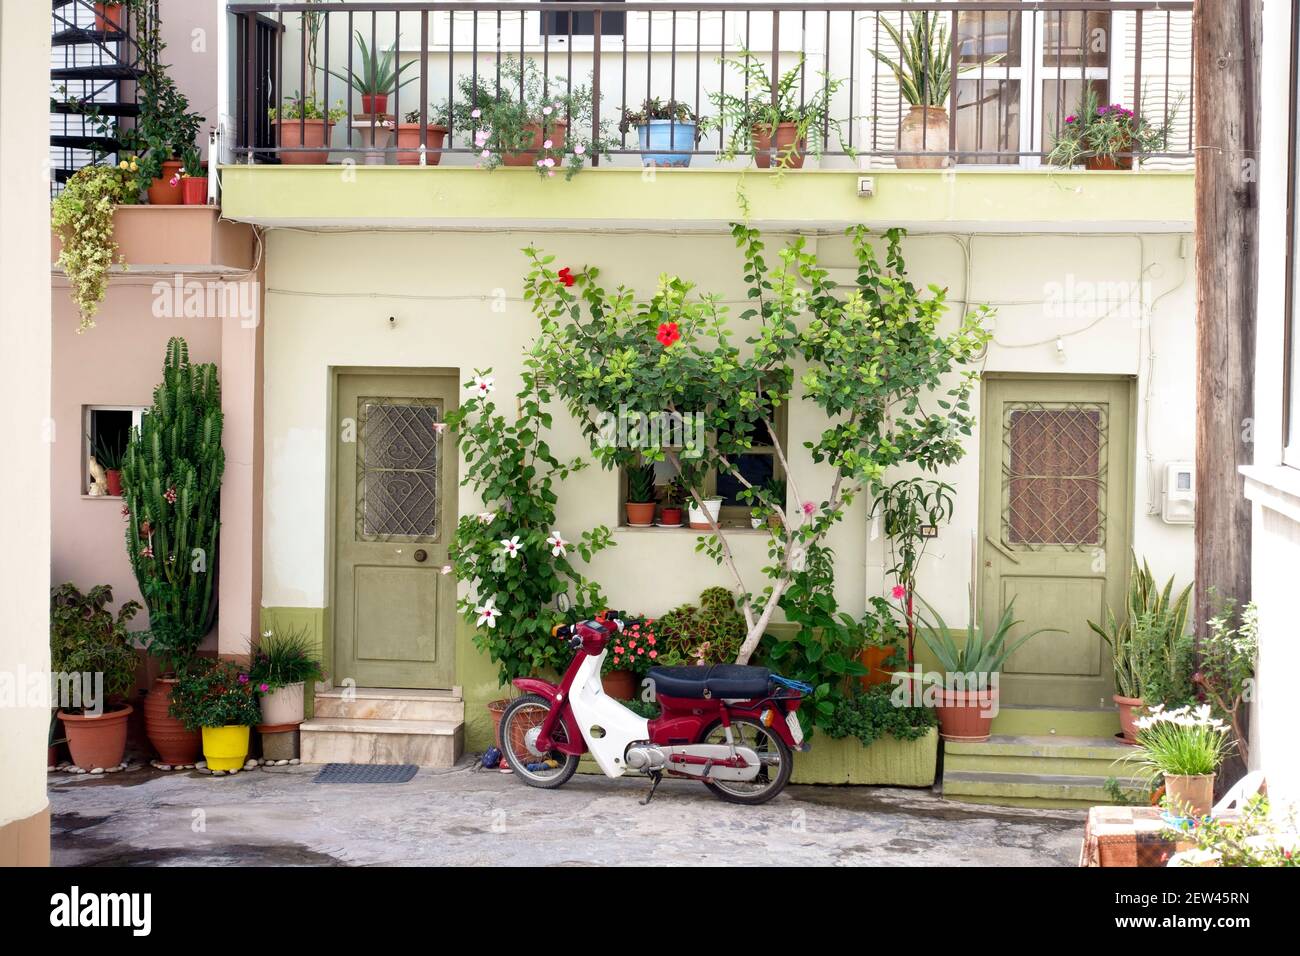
{"points": [[189, 29]]}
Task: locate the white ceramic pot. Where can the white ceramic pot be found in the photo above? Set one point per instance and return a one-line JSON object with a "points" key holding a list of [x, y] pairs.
{"points": [[699, 520], [284, 705]]}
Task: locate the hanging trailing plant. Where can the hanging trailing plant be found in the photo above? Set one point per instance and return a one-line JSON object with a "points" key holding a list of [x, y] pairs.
{"points": [[83, 216]]}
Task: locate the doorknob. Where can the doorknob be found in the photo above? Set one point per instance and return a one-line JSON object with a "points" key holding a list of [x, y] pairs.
{"points": [[421, 555]]}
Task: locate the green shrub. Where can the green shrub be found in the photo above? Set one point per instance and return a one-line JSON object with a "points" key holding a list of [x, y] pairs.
{"points": [[87, 638], [214, 694], [710, 633], [285, 656], [872, 714]]}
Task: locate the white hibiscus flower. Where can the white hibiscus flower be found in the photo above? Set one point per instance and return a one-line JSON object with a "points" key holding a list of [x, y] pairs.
{"points": [[557, 543], [487, 613], [484, 385], [510, 546]]}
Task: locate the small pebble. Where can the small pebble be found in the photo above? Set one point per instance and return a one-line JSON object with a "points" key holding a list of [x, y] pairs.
{"points": [[112, 770], [282, 763], [164, 766], [294, 762], [51, 769], [80, 771], [201, 765], [251, 765], [218, 773]]}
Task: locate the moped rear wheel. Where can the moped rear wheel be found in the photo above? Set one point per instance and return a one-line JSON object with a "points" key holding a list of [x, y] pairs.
{"points": [[520, 725], [775, 762]]}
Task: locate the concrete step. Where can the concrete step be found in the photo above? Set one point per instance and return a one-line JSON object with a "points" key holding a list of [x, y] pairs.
{"points": [[425, 743], [1061, 721], [390, 703], [1031, 789]]}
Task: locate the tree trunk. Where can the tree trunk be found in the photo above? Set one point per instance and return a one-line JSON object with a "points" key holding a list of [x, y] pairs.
{"points": [[1226, 37]]}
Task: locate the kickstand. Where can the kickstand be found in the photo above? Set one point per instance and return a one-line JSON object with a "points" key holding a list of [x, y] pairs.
{"points": [[655, 777]]}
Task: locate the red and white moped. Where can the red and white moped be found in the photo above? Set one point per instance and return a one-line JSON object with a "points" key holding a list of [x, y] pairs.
{"points": [[729, 726]]}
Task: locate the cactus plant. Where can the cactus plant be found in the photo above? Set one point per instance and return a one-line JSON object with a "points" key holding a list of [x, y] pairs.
{"points": [[171, 479]]}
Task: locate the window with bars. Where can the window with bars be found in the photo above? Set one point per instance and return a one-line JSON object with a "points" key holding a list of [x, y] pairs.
{"points": [[397, 469]]}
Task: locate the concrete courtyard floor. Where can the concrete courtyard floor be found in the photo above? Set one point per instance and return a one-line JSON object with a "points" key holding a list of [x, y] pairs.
{"points": [[466, 816]]}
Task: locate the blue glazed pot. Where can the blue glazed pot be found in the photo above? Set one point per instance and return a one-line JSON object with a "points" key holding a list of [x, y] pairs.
{"points": [[658, 139]]}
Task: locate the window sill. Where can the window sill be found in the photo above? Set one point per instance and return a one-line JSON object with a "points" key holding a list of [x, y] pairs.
{"points": [[103, 497], [685, 530], [1275, 487]]}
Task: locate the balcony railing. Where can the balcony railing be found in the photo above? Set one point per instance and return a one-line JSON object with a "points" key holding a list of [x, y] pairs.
{"points": [[1004, 76]]}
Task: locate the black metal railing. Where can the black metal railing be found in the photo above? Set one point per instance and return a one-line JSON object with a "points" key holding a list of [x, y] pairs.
{"points": [[1001, 77]]}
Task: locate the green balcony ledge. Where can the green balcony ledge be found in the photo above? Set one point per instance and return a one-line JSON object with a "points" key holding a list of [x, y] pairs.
{"points": [[707, 199]]}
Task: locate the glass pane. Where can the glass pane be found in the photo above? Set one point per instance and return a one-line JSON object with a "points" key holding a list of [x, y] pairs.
{"points": [[1054, 474], [758, 470], [400, 503], [1076, 39], [989, 36], [988, 120], [1062, 98], [397, 469]]}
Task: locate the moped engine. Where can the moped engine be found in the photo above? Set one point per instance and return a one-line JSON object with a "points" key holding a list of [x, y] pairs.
{"points": [[703, 761], [645, 757]]}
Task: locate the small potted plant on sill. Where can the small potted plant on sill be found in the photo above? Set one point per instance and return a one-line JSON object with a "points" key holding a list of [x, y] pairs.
{"points": [[408, 137], [699, 516], [1185, 746], [629, 658], [775, 491], [218, 699], [674, 498], [303, 122], [377, 76], [641, 496], [774, 133], [109, 455], [194, 179], [923, 72], [667, 131], [86, 638], [283, 661], [1106, 137]]}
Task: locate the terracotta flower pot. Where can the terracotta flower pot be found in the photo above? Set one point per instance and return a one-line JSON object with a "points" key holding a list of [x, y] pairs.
{"points": [[1108, 163], [175, 744], [408, 142], [554, 130], [1128, 707], [785, 140], [924, 130], [297, 133], [620, 684], [873, 659], [640, 514], [284, 705], [1189, 795], [376, 103], [113, 477], [194, 190], [966, 715], [671, 516], [97, 742], [161, 190], [110, 17], [497, 709]]}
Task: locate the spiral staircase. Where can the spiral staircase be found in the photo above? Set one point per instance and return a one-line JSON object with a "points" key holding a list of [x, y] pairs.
{"points": [[94, 82]]}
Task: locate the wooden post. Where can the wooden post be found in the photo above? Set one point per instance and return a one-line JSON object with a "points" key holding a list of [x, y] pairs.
{"points": [[1226, 36]]}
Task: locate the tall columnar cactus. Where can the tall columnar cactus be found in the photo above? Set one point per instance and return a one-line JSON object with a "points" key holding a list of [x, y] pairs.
{"points": [[171, 478]]}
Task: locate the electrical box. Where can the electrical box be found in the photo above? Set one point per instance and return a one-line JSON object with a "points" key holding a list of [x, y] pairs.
{"points": [[1178, 500], [866, 187]]}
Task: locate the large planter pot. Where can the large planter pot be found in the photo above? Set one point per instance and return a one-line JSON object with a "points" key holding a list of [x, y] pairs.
{"points": [[167, 735], [194, 190], [97, 742], [113, 478], [225, 748], [284, 705], [873, 659], [666, 143], [620, 684], [537, 134], [408, 144], [785, 142], [924, 130], [640, 514], [966, 715], [110, 17], [1128, 708], [161, 190], [699, 517], [1191, 796], [296, 133], [497, 709]]}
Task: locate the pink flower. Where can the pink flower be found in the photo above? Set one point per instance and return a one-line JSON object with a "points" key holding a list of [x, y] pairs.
{"points": [[898, 592], [126, 513], [146, 551], [548, 144], [1071, 118], [476, 114], [243, 678], [481, 138], [263, 687], [579, 150], [486, 154], [654, 654], [809, 508], [618, 649], [170, 495]]}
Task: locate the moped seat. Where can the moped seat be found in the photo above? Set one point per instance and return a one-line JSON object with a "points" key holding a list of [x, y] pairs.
{"points": [[725, 681]]}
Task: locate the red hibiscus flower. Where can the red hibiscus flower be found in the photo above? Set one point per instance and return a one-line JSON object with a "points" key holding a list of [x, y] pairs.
{"points": [[566, 276], [668, 334]]}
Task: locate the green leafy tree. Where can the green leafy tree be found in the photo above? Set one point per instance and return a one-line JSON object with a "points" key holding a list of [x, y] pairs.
{"points": [[171, 480], [876, 365]]}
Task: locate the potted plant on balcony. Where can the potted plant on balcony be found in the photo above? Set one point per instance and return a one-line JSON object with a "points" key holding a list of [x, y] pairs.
{"points": [[1105, 137], [88, 639], [304, 125], [194, 179], [283, 661], [408, 136], [641, 496], [923, 72], [167, 129], [774, 130], [667, 131], [217, 699], [376, 77]]}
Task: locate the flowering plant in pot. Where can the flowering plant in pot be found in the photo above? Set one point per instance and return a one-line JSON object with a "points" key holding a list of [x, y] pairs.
{"points": [[1106, 136], [409, 135], [630, 657], [1184, 746], [88, 640], [283, 660], [167, 129], [667, 131], [640, 506], [194, 179], [218, 699], [305, 124]]}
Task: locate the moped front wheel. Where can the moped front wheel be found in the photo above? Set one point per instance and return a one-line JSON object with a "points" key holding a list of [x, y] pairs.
{"points": [[775, 762], [520, 726]]}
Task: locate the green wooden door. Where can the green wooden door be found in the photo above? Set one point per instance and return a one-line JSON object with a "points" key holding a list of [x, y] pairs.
{"points": [[1056, 506], [395, 511]]}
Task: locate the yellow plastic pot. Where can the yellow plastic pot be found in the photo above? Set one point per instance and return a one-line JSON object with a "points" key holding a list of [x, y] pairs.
{"points": [[225, 748]]}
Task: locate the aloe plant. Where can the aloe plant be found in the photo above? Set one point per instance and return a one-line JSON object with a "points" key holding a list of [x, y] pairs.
{"points": [[378, 74], [980, 653], [641, 484], [923, 69]]}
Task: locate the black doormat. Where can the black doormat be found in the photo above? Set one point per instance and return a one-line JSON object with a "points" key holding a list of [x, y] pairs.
{"points": [[366, 773]]}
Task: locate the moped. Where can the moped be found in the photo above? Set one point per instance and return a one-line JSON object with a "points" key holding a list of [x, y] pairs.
{"points": [[729, 726]]}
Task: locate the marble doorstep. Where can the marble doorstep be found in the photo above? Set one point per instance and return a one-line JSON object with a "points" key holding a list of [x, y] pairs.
{"points": [[425, 743], [383, 703]]}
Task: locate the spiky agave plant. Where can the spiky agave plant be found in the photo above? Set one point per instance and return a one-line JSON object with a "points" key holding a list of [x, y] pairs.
{"points": [[379, 73], [171, 479], [923, 69]]}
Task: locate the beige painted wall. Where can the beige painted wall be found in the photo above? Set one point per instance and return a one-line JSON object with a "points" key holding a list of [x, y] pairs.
{"points": [[24, 405], [189, 28], [330, 296]]}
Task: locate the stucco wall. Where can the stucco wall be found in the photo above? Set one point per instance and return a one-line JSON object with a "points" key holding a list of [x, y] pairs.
{"points": [[329, 297]]}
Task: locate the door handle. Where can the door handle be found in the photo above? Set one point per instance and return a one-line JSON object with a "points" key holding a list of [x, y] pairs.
{"points": [[421, 555]]}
